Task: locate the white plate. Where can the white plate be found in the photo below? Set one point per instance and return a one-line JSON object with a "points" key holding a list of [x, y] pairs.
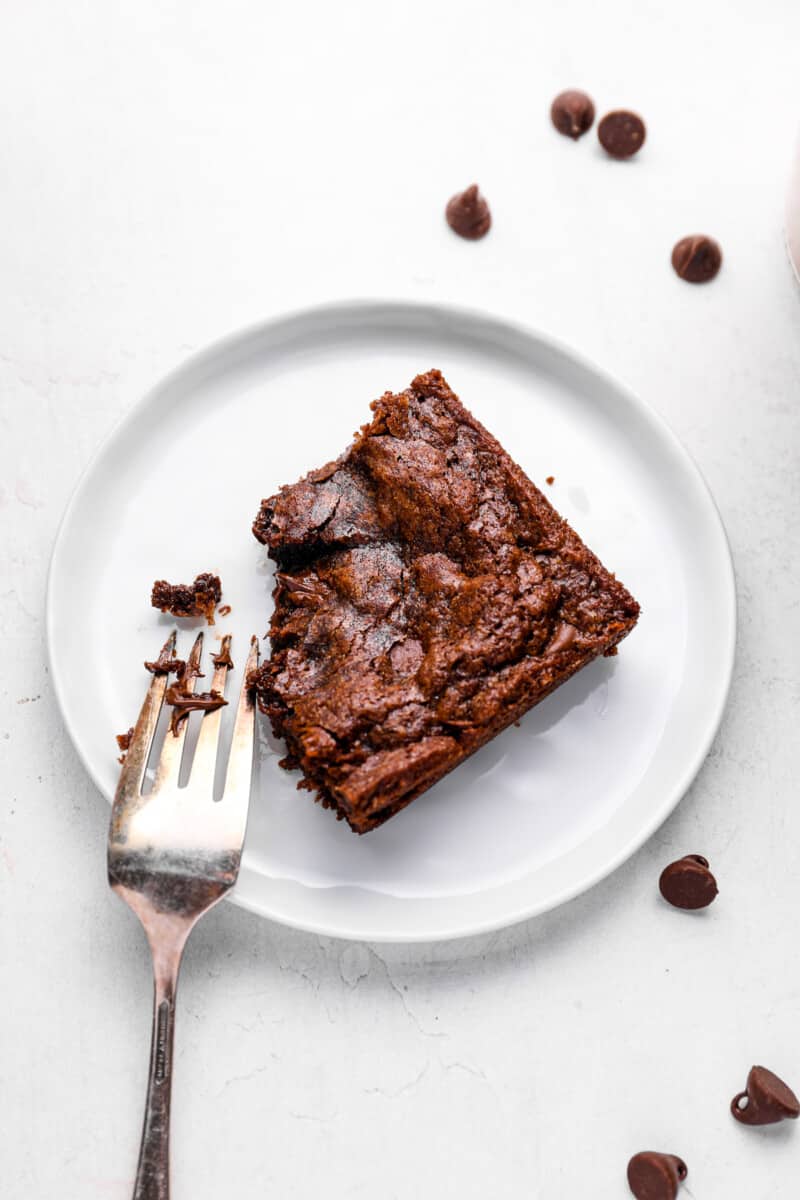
{"points": [[546, 809]]}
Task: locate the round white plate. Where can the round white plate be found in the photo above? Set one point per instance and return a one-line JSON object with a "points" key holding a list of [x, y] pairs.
{"points": [[548, 808]]}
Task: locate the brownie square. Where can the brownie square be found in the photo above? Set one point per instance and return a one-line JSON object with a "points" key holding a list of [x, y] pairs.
{"points": [[427, 596]]}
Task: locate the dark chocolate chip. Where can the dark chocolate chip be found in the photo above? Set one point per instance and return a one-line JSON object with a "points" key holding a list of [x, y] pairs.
{"points": [[697, 258], [621, 133], [654, 1176], [688, 883], [765, 1100], [572, 113], [468, 214]]}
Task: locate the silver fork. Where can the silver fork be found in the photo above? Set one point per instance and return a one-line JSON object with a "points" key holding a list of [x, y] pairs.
{"points": [[172, 855]]}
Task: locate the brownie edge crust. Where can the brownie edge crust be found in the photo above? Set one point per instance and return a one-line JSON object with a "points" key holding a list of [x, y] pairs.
{"points": [[427, 596]]}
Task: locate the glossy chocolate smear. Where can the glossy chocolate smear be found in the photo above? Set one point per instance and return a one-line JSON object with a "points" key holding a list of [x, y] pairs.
{"points": [[688, 883], [655, 1176], [166, 662], [468, 214], [183, 703], [223, 657], [765, 1100]]}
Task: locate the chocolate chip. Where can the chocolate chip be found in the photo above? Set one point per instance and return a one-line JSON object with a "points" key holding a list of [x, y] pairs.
{"points": [[697, 258], [766, 1100], [468, 214], [688, 883], [654, 1176], [621, 133], [572, 113]]}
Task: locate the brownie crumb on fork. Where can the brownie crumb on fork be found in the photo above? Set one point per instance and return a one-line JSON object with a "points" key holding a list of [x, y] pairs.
{"points": [[166, 663], [427, 596], [124, 743]]}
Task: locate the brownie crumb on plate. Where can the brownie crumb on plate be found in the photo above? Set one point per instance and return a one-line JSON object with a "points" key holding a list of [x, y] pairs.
{"points": [[198, 599], [427, 596]]}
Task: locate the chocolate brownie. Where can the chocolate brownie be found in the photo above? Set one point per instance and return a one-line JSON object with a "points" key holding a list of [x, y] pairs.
{"points": [[427, 596]]}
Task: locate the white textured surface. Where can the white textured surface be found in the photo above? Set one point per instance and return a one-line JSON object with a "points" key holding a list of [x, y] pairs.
{"points": [[171, 172]]}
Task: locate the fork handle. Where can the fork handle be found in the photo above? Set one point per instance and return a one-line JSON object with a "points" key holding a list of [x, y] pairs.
{"points": [[152, 1174]]}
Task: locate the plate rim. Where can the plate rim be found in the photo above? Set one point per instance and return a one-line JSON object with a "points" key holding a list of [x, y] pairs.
{"points": [[365, 309]]}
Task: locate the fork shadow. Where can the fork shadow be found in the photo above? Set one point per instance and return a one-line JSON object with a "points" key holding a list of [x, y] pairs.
{"points": [[260, 949], [253, 942]]}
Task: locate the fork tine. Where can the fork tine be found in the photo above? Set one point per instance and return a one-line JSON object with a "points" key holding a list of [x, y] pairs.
{"points": [[236, 796], [169, 763], [205, 754], [135, 762]]}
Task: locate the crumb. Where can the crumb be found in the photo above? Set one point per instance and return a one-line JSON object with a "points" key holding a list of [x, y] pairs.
{"points": [[198, 599], [225, 610], [124, 743], [166, 662], [124, 739], [223, 657], [550, 479]]}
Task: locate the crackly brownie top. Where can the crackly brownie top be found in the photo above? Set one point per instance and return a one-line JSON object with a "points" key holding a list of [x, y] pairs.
{"points": [[421, 575]]}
